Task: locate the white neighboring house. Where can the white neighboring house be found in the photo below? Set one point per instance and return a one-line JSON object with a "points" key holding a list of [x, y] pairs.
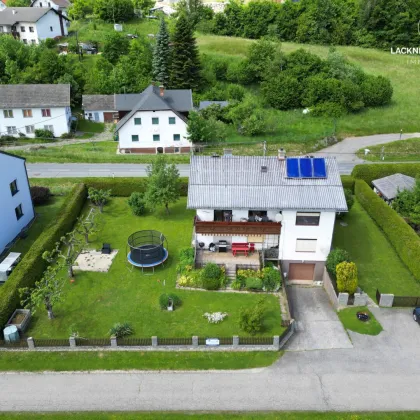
{"points": [[154, 121], [59, 5], [254, 200], [25, 108], [33, 24], [16, 207], [2, 5]]}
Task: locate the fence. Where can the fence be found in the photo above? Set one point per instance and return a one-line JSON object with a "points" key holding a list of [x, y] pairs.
{"points": [[390, 300]]}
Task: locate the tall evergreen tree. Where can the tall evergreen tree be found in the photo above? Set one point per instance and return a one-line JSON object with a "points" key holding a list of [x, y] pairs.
{"points": [[162, 56], [185, 65]]}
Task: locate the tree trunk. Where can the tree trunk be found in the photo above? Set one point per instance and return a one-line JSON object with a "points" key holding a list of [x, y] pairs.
{"points": [[70, 271], [167, 208], [49, 309], [87, 237], [101, 207]]}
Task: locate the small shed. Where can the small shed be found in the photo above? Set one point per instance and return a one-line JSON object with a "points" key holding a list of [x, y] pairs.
{"points": [[389, 186]]}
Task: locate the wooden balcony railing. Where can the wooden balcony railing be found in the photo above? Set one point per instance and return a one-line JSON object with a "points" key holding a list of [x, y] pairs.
{"points": [[238, 228]]}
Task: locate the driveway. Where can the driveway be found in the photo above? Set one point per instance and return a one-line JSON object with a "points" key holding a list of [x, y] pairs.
{"points": [[318, 326]]}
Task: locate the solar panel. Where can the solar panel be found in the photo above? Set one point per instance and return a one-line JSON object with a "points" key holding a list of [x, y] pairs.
{"points": [[305, 165], [292, 167], [320, 170]]}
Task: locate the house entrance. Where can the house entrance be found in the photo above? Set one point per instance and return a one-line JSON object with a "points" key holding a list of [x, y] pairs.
{"points": [[298, 271]]}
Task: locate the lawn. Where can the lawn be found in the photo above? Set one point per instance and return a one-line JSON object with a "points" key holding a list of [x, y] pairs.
{"points": [[378, 264], [98, 300], [127, 360], [397, 151], [351, 322], [90, 126]]}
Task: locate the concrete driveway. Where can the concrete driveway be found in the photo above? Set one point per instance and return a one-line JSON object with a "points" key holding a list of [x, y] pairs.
{"points": [[318, 326]]}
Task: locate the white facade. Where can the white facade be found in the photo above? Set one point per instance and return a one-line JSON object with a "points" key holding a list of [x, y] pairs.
{"points": [[163, 134], [13, 121], [97, 116], [13, 169]]}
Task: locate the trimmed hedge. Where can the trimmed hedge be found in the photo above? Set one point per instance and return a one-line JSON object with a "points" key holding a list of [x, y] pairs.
{"points": [[348, 182], [401, 236], [374, 171], [32, 266]]}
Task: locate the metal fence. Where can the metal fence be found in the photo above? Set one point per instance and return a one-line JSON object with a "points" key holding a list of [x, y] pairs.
{"points": [[14, 344], [181, 341], [93, 342], [129, 341], [406, 301], [42, 342], [255, 341]]}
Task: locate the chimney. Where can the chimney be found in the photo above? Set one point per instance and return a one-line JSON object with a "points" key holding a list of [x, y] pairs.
{"points": [[281, 154], [161, 90]]}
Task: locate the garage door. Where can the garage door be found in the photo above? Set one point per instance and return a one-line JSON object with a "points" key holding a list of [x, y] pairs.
{"points": [[109, 117], [301, 271]]}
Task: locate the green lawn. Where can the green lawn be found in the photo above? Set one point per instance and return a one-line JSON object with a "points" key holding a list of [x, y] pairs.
{"points": [[378, 264], [90, 126], [397, 151], [45, 215], [98, 300], [351, 322], [127, 360]]}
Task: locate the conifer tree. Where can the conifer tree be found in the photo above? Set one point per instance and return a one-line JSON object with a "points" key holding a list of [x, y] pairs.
{"points": [[162, 56]]}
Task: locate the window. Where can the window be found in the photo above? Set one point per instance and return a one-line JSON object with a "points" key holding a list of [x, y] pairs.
{"points": [[33, 41], [305, 245], [223, 215], [177, 137], [40, 4], [30, 129], [1, 29], [155, 121], [156, 137], [22, 29], [31, 29], [257, 216], [13, 187], [25, 41], [135, 137], [11, 130], [18, 211], [307, 219], [51, 29], [27, 113], [49, 128], [177, 149], [46, 112], [171, 120], [8, 113], [137, 121]]}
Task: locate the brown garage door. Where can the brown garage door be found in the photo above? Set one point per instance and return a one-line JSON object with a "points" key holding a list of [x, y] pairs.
{"points": [[109, 117], [301, 271]]}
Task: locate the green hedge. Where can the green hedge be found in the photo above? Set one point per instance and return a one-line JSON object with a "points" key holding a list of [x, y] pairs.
{"points": [[348, 182], [30, 269], [401, 236], [374, 171]]}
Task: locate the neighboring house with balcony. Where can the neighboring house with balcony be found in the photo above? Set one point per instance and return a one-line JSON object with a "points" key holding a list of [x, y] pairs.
{"points": [[25, 108], [32, 24], [59, 5], [283, 208], [154, 121], [16, 207]]}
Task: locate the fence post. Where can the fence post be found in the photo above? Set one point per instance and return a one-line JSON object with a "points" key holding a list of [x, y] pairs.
{"points": [[31, 343], [235, 341], [195, 341], [72, 341], [114, 343], [276, 342], [154, 341]]}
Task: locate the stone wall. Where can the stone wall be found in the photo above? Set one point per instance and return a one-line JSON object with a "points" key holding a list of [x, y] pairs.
{"points": [[329, 288]]}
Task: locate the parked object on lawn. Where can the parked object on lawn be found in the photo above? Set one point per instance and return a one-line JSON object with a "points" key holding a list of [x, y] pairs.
{"points": [[20, 319], [363, 316], [416, 314], [106, 249], [11, 334]]}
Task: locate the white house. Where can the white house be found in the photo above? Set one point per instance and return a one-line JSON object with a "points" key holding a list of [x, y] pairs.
{"points": [[283, 207], [59, 5], [2, 5], [33, 24], [154, 121], [16, 207], [25, 108]]}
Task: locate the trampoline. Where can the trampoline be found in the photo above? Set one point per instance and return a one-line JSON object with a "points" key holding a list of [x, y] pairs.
{"points": [[147, 249]]}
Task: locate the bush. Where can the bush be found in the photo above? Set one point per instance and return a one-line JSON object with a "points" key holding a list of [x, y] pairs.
{"points": [[370, 172], [164, 301], [186, 261], [251, 319], [45, 134], [236, 285], [376, 90], [335, 257], [282, 92], [347, 277], [40, 195], [32, 266], [211, 276], [348, 182], [271, 278], [137, 204], [242, 275], [349, 198], [191, 279], [253, 283], [401, 236], [121, 330]]}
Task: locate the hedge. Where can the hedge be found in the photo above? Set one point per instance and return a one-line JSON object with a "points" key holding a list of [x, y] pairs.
{"points": [[379, 170], [32, 266], [348, 182], [401, 236]]}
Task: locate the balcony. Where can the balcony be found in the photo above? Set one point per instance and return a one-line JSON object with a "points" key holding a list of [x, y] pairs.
{"points": [[237, 228]]}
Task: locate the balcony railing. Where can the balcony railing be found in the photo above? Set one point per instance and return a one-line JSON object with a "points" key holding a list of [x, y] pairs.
{"points": [[237, 228]]}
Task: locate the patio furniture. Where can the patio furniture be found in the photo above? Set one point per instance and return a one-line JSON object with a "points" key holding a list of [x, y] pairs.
{"points": [[212, 247], [106, 249], [251, 247], [240, 247], [222, 246]]}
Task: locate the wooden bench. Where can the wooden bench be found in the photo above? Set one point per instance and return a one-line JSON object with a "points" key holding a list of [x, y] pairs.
{"points": [[240, 247]]}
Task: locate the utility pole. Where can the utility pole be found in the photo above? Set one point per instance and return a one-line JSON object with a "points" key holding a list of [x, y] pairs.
{"points": [[382, 153], [264, 148]]}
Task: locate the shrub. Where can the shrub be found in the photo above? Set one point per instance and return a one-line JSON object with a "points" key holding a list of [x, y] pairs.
{"points": [[121, 330], [349, 198], [376, 90], [32, 266], [242, 275], [251, 319], [401, 236], [348, 182], [335, 257], [186, 261], [137, 204], [370, 172], [347, 277], [192, 279], [282, 92], [45, 134], [253, 283], [271, 278], [164, 300], [236, 285], [211, 276], [40, 195]]}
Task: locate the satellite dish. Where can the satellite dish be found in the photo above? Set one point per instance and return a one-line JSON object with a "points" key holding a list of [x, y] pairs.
{"points": [[279, 217]]}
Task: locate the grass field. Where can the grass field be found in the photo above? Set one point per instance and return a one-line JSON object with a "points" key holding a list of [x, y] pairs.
{"points": [[351, 322], [397, 151], [378, 264], [98, 300], [90, 126]]}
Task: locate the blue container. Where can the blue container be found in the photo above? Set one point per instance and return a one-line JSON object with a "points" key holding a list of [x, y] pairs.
{"points": [[11, 334]]}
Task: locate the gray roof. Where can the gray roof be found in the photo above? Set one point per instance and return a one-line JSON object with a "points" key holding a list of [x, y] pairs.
{"points": [[206, 104], [23, 14], [390, 185], [98, 102], [36, 96], [126, 102], [237, 182], [61, 3]]}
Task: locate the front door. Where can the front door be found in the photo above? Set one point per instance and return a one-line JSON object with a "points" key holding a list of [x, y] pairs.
{"points": [[96, 116]]}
